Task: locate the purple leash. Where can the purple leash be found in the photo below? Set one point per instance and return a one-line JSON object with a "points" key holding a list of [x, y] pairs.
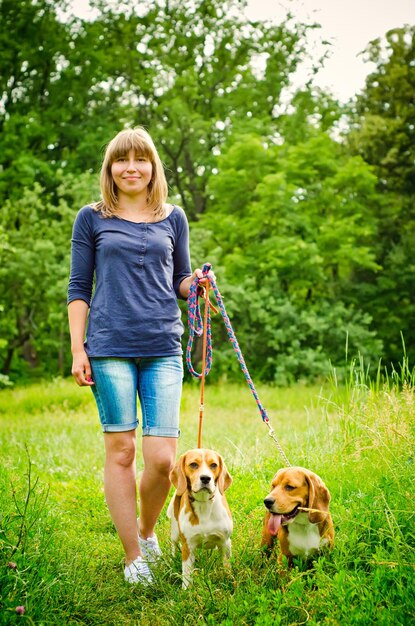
{"points": [[195, 324]]}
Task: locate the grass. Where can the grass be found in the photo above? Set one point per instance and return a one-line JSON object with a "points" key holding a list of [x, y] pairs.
{"points": [[60, 557]]}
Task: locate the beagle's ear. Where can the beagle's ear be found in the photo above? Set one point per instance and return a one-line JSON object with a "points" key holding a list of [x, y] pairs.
{"points": [[225, 479], [178, 476], [318, 498]]}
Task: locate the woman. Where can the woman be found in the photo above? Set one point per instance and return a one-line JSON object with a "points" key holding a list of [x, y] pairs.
{"points": [[137, 246]]}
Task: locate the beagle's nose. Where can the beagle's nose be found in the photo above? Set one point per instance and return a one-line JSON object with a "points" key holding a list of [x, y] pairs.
{"points": [[269, 502], [205, 479]]}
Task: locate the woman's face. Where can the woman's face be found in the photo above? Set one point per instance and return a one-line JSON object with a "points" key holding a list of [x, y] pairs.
{"points": [[132, 173]]}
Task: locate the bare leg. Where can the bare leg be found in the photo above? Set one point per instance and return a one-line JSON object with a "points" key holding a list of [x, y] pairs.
{"points": [[120, 489], [159, 454]]}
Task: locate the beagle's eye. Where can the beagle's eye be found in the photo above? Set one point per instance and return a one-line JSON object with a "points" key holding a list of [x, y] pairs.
{"points": [[289, 488], [194, 465], [214, 465]]}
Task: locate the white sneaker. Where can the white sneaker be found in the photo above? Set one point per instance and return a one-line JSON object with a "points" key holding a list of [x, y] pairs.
{"points": [[138, 572], [149, 547]]}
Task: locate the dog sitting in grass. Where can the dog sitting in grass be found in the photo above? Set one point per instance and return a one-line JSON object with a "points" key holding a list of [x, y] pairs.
{"points": [[297, 514], [199, 513]]}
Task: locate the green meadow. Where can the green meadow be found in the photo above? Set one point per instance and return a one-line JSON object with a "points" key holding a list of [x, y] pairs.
{"points": [[61, 560]]}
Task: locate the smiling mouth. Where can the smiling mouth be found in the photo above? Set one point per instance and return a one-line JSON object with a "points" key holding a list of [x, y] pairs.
{"points": [[286, 517], [276, 520]]}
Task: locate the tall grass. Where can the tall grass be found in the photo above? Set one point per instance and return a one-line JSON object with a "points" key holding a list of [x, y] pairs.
{"points": [[61, 560]]}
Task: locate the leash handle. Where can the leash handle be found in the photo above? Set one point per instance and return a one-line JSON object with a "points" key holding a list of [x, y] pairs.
{"points": [[195, 324], [196, 327]]}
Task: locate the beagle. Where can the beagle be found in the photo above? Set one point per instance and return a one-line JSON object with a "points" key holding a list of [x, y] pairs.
{"points": [[199, 512], [297, 514]]}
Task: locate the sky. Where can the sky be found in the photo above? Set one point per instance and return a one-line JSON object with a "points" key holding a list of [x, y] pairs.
{"points": [[349, 26]]}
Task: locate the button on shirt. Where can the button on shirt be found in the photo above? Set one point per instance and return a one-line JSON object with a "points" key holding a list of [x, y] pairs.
{"points": [[138, 268]]}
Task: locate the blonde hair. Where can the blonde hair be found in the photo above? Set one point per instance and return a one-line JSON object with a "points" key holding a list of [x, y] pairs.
{"points": [[139, 140]]}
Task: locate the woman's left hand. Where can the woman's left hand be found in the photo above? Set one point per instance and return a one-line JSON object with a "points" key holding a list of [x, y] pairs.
{"points": [[185, 284], [203, 279]]}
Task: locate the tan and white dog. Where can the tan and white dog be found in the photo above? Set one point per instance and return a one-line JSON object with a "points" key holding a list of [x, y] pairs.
{"points": [[297, 514], [199, 513]]}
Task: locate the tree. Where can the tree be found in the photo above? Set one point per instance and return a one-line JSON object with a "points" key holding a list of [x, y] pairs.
{"points": [[384, 135], [34, 274], [291, 226], [33, 47]]}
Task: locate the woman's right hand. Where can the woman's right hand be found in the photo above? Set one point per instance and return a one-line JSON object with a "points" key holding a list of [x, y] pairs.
{"points": [[81, 369]]}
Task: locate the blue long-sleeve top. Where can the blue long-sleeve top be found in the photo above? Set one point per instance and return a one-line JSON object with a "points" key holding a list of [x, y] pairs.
{"points": [[138, 268]]}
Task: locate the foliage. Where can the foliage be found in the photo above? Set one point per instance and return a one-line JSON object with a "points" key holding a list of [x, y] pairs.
{"points": [[68, 569], [383, 133], [291, 225], [35, 272], [34, 47]]}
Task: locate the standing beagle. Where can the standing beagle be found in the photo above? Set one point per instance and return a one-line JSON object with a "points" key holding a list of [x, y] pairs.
{"points": [[199, 512]]}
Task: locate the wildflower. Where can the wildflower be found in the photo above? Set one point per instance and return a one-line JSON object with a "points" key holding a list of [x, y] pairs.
{"points": [[20, 610], [12, 565]]}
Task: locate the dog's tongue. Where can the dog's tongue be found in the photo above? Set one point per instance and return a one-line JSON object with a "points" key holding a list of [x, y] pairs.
{"points": [[274, 524]]}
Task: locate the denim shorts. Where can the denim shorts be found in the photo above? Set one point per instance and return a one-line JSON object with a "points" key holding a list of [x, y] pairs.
{"points": [[156, 380]]}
